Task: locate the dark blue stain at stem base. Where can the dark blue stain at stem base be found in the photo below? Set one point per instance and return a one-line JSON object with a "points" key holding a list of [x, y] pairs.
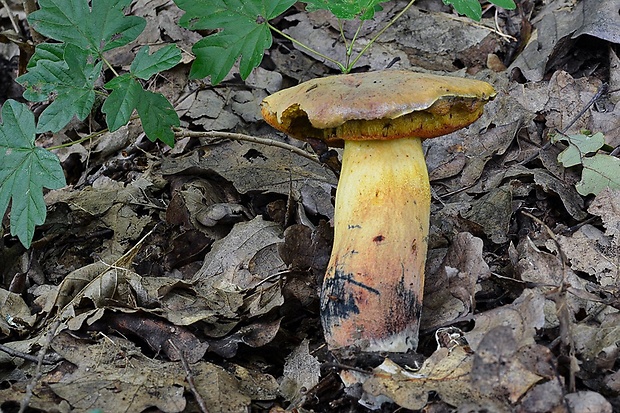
{"points": [[405, 309], [337, 300]]}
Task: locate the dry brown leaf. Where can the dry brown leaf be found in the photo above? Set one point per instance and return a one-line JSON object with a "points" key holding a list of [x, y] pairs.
{"points": [[493, 212], [228, 264], [14, 313], [607, 206], [301, 373], [546, 270], [523, 316], [589, 250], [588, 402], [255, 168], [113, 375], [449, 292]]}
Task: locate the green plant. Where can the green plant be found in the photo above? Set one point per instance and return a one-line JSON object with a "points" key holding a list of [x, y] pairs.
{"points": [[244, 29], [65, 72], [599, 171]]}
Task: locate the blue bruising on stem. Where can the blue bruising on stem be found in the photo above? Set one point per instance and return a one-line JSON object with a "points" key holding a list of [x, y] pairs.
{"points": [[338, 301]]}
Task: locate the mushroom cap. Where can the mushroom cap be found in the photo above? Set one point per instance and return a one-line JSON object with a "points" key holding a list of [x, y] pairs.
{"points": [[380, 105]]}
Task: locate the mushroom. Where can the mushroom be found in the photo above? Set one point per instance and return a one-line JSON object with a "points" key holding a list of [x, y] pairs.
{"points": [[371, 297]]}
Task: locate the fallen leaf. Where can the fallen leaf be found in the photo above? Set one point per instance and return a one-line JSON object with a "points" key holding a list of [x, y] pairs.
{"points": [[301, 373], [449, 292]]}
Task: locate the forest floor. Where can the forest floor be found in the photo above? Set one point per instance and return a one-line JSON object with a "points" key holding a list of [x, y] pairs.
{"points": [[166, 278]]}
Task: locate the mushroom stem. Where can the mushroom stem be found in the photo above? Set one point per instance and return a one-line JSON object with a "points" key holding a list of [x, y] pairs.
{"points": [[372, 292]]}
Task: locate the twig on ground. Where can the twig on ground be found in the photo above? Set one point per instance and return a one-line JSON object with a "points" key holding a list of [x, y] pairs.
{"points": [[15, 353], [241, 137], [11, 17], [190, 379], [38, 373]]}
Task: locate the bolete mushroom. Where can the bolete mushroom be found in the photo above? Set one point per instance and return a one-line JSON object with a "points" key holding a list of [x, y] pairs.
{"points": [[372, 292]]}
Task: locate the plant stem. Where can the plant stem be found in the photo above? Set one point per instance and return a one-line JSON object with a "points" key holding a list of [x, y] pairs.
{"points": [[308, 48], [350, 47], [109, 66], [359, 55]]}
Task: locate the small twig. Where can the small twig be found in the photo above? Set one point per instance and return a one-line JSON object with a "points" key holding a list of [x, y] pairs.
{"points": [[190, 379], [11, 17], [374, 39], [241, 137], [484, 26], [40, 361], [15, 353]]}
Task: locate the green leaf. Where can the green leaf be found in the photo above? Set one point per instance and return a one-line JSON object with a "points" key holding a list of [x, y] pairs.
{"points": [[146, 65], [53, 52], [599, 172], [156, 112], [118, 107], [505, 4], [100, 29], [347, 9], [470, 8], [25, 170], [579, 145], [158, 117], [244, 33], [73, 82]]}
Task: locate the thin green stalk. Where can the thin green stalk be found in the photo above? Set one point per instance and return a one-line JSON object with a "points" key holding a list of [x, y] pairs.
{"points": [[350, 47], [109, 66], [308, 48], [359, 55]]}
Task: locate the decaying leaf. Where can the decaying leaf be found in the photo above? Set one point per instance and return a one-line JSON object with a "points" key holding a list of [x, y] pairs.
{"points": [[301, 373], [449, 292], [14, 313], [113, 375], [257, 168]]}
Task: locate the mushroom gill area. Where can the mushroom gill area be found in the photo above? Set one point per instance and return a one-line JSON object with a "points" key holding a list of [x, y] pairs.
{"points": [[445, 116]]}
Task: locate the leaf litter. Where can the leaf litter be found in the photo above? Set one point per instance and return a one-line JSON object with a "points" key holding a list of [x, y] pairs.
{"points": [[239, 236]]}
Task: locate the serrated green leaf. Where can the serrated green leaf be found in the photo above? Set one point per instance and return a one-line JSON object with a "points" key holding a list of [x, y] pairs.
{"points": [[146, 65], [158, 117], [72, 80], [121, 103], [100, 29], [599, 172], [25, 170], [244, 33], [156, 112], [579, 145], [505, 4], [53, 52], [347, 9], [470, 8]]}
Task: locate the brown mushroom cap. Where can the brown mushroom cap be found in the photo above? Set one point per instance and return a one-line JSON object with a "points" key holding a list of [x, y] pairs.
{"points": [[380, 105]]}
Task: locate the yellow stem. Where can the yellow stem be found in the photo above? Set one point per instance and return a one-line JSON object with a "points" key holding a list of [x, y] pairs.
{"points": [[372, 293]]}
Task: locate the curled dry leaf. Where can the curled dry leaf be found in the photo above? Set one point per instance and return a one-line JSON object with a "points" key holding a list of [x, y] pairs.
{"points": [[254, 335], [161, 336]]}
